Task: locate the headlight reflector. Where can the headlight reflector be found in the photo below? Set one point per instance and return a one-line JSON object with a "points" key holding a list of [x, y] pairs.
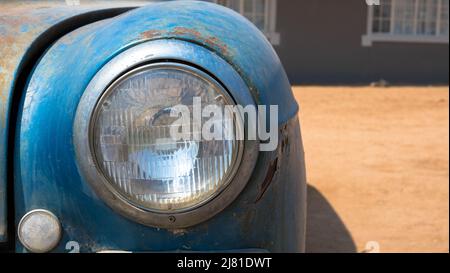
{"points": [[133, 147]]}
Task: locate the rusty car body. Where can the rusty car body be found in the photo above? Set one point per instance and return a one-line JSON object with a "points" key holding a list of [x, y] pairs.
{"points": [[49, 57]]}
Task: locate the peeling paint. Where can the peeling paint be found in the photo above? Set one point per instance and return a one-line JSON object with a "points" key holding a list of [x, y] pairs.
{"points": [[271, 171], [284, 139], [151, 34], [20, 26], [211, 42]]}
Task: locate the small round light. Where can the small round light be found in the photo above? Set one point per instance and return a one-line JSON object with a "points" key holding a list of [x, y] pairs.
{"points": [[134, 148], [39, 231]]}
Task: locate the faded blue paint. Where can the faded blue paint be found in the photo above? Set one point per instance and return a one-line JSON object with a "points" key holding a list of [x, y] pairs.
{"points": [[46, 169], [19, 27]]}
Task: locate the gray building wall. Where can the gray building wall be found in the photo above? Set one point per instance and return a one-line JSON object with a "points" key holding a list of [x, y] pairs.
{"points": [[321, 43]]}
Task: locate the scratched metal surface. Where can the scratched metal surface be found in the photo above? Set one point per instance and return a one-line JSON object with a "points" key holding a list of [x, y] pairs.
{"points": [[20, 25], [269, 213]]}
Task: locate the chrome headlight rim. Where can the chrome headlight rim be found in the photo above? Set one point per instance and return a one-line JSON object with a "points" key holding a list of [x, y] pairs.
{"points": [[161, 52]]}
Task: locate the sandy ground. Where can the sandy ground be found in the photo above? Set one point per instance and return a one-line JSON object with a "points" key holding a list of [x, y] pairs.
{"points": [[378, 168]]}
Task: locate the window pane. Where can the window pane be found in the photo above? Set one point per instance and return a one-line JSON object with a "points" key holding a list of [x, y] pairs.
{"points": [[248, 6], [404, 16], [385, 26], [427, 17], [376, 26], [260, 6], [386, 9], [444, 18], [376, 11], [382, 17]]}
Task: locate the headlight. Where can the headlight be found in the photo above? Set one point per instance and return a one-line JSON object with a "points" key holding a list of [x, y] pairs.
{"points": [[124, 146], [135, 151]]}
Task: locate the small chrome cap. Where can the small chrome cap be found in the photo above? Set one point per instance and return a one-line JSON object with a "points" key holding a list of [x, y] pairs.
{"points": [[39, 231]]}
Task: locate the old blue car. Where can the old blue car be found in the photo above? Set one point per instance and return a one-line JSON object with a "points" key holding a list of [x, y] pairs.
{"points": [[88, 108]]}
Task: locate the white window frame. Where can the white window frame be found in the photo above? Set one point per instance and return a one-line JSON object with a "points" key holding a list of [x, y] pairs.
{"points": [[270, 21], [369, 38]]}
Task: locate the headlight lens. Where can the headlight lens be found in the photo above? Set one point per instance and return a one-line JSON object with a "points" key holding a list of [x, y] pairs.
{"points": [[138, 156]]}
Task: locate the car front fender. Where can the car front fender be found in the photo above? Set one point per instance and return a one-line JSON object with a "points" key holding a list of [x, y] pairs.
{"points": [[270, 212]]}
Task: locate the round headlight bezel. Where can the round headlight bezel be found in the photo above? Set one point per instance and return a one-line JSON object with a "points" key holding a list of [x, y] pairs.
{"points": [[161, 52]]}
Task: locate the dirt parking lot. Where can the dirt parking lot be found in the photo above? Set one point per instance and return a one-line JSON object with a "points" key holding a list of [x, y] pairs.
{"points": [[378, 168]]}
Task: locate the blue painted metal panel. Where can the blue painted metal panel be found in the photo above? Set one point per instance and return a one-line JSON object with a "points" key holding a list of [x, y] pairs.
{"points": [[270, 212], [20, 26]]}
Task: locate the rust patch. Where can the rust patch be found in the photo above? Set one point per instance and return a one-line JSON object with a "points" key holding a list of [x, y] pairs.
{"points": [[186, 31], [210, 41], [203, 39], [284, 139], [216, 43], [285, 144], [19, 26], [268, 179], [151, 34]]}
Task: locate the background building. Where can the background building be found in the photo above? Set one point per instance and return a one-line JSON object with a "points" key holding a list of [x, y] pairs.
{"points": [[355, 41]]}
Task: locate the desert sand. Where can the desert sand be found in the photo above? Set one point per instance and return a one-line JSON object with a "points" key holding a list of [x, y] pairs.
{"points": [[378, 168]]}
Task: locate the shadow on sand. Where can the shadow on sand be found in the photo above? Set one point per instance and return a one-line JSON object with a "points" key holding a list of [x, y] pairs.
{"points": [[325, 230]]}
